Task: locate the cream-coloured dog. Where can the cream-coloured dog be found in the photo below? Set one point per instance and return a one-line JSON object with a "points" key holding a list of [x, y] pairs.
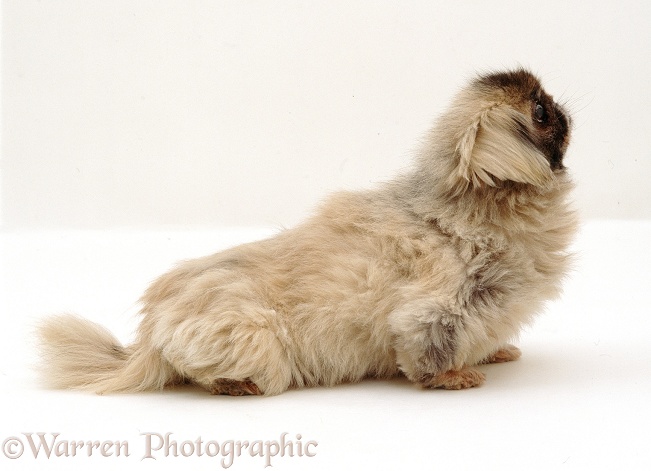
{"points": [[427, 275]]}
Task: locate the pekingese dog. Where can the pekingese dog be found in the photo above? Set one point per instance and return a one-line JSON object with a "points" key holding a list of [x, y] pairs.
{"points": [[427, 275]]}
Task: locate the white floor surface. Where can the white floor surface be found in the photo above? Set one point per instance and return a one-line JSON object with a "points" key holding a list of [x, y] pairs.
{"points": [[577, 399]]}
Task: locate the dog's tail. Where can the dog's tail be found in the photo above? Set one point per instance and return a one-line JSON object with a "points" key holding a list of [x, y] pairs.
{"points": [[79, 354]]}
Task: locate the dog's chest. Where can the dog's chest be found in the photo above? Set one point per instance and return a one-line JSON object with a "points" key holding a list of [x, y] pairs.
{"points": [[495, 273]]}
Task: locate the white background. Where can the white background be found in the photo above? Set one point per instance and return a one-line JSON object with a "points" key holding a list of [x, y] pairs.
{"points": [[135, 113], [135, 134]]}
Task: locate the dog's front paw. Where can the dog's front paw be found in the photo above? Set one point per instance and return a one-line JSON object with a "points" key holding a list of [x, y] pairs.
{"points": [[455, 379], [506, 353]]}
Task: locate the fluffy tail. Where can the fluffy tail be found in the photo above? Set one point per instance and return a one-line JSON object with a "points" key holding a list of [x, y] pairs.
{"points": [[79, 354]]}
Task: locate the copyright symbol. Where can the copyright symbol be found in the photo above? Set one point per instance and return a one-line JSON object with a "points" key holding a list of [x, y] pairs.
{"points": [[13, 448]]}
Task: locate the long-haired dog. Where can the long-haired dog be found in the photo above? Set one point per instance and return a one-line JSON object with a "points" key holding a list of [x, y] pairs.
{"points": [[427, 275]]}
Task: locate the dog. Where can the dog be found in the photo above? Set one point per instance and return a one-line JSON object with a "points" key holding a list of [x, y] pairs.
{"points": [[427, 275]]}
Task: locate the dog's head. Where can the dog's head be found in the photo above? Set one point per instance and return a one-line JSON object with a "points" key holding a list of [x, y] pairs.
{"points": [[505, 127]]}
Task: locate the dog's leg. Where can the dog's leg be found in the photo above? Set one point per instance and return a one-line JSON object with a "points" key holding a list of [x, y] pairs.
{"points": [[429, 350], [236, 352]]}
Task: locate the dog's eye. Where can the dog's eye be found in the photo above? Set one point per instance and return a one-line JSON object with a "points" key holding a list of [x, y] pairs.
{"points": [[539, 112]]}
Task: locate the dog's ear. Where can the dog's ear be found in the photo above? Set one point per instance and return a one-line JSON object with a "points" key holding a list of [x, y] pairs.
{"points": [[498, 145]]}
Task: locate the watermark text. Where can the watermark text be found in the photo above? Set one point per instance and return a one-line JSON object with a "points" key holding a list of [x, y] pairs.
{"points": [[155, 446]]}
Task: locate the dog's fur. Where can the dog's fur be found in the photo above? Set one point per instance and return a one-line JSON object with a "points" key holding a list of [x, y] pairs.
{"points": [[427, 275]]}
